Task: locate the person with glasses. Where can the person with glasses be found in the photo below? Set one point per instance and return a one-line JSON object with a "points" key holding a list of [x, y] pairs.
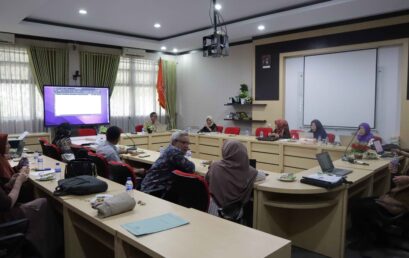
{"points": [[158, 179]]}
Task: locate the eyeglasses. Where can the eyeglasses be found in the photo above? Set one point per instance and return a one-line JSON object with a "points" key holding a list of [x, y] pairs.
{"points": [[184, 142]]}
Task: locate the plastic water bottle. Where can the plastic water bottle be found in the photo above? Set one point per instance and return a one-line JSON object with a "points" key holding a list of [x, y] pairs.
{"points": [[57, 170], [188, 154], [40, 162], [35, 157], [261, 134], [143, 131], [395, 164], [247, 132], [129, 186]]}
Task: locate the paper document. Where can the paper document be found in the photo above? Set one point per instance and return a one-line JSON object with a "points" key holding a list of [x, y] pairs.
{"points": [[154, 224]]}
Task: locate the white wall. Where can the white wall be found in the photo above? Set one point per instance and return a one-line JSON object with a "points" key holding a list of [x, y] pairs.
{"points": [[387, 123], [205, 84]]}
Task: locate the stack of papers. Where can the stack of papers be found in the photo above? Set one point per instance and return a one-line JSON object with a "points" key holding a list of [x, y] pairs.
{"points": [[324, 177], [154, 224]]}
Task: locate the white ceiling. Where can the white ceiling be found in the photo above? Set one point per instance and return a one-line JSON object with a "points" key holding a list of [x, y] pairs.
{"points": [[136, 17]]}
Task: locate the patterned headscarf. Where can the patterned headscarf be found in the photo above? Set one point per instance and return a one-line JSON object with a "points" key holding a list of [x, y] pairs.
{"points": [[281, 126]]}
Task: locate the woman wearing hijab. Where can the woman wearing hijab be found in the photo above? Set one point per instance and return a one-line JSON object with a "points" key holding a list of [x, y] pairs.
{"points": [[318, 130], [364, 133], [210, 126], [63, 141], [230, 179], [6, 171], [282, 130]]}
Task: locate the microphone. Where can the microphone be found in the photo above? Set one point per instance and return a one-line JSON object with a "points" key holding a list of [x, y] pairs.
{"points": [[345, 157], [133, 147]]}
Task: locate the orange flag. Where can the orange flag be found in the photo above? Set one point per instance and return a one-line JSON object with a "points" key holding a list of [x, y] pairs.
{"points": [[160, 87]]}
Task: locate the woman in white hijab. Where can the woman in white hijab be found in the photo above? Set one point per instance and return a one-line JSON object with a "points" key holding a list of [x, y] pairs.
{"points": [[210, 126]]}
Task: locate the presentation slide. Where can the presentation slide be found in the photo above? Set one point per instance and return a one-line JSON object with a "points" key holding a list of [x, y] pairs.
{"points": [[76, 105]]}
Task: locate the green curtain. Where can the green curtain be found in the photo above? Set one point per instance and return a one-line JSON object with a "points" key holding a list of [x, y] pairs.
{"points": [[98, 69], [169, 79], [49, 66]]}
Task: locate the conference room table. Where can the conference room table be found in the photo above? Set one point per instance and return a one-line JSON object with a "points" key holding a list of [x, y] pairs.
{"points": [[88, 235]]}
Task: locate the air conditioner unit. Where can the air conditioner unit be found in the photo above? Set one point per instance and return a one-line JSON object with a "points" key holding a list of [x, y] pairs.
{"points": [[133, 52], [7, 37]]}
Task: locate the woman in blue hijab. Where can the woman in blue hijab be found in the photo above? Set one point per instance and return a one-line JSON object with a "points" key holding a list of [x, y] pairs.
{"points": [[318, 130], [364, 133]]}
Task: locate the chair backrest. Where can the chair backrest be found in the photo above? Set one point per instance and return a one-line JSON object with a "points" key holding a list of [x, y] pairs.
{"points": [[331, 137], [12, 238], [87, 132], [52, 151], [266, 131], [78, 148], [101, 163], [296, 131], [42, 141], [232, 130], [189, 190], [138, 128], [294, 135], [119, 172], [219, 128]]}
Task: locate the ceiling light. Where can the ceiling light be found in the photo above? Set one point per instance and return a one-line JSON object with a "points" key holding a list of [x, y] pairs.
{"points": [[175, 50], [156, 25], [261, 27], [218, 7], [163, 48], [82, 11]]}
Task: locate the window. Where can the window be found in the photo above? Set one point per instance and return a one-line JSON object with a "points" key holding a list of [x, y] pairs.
{"points": [[21, 105], [134, 96]]}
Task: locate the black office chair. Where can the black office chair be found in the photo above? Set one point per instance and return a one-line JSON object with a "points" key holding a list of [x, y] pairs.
{"points": [[396, 229], [120, 172], [52, 151], [101, 163], [189, 190], [12, 239]]}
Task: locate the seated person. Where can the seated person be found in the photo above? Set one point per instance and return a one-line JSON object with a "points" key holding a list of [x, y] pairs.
{"points": [[152, 125], [364, 133], [210, 126], [6, 171], [230, 179], [366, 213], [63, 141], [318, 130], [108, 148], [44, 233], [281, 130], [159, 177]]}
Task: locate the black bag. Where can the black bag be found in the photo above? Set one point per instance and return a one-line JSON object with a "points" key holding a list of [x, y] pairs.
{"points": [[324, 183], [80, 185], [79, 167]]}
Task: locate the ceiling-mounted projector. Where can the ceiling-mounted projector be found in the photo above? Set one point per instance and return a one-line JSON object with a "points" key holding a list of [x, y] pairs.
{"points": [[217, 44]]}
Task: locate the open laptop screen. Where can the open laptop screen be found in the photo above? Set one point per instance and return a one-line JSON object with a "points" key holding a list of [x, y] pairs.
{"points": [[325, 161], [378, 147]]}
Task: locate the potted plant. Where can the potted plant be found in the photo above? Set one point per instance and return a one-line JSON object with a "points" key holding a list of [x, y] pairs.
{"points": [[358, 150], [150, 128], [244, 93]]}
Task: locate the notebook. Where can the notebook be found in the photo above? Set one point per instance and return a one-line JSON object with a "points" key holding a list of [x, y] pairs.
{"points": [[328, 167]]}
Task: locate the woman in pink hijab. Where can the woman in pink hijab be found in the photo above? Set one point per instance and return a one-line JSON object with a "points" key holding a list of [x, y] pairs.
{"points": [[231, 179]]}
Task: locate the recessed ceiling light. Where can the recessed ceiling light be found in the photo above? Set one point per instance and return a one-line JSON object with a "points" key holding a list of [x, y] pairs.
{"points": [[261, 27], [82, 11], [218, 7], [175, 50], [156, 25], [163, 48]]}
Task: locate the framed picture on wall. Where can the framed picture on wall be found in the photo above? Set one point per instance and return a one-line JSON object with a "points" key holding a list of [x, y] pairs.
{"points": [[266, 61]]}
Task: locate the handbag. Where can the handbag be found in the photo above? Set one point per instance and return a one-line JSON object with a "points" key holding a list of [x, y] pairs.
{"points": [[323, 180], [80, 185], [78, 167]]}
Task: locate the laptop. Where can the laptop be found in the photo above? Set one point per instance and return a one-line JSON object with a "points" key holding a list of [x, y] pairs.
{"points": [[19, 151], [306, 135], [328, 167], [379, 149]]}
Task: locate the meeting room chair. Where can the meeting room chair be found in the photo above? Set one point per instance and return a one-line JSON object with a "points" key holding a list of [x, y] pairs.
{"points": [[294, 135], [189, 190], [331, 137], [87, 132], [138, 128], [219, 128], [120, 172], [78, 148], [232, 130], [52, 151], [101, 164], [266, 131], [42, 141]]}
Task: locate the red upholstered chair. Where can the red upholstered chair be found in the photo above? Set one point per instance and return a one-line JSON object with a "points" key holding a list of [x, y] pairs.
{"points": [[331, 137], [232, 130], [294, 135], [86, 132], [377, 138], [120, 172], [189, 190], [101, 162], [52, 151], [138, 128], [266, 131], [219, 128]]}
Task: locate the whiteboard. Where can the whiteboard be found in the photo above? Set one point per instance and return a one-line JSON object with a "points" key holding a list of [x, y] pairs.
{"points": [[340, 88]]}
